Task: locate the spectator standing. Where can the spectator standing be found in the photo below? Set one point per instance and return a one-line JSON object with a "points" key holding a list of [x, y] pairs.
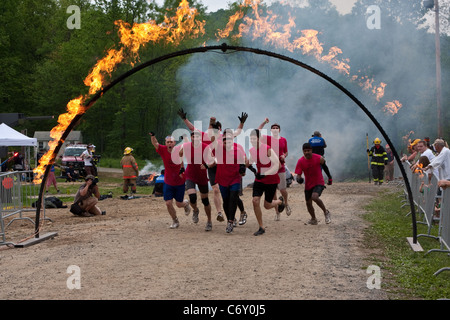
{"points": [[389, 167], [442, 160], [88, 158]]}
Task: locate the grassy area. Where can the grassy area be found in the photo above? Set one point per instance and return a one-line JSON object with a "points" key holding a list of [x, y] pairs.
{"points": [[405, 274]]}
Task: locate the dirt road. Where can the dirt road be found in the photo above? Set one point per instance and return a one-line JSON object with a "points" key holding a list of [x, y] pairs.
{"points": [[132, 254]]}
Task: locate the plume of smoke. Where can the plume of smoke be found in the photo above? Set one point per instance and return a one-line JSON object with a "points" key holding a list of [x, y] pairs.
{"points": [[150, 168], [226, 85]]}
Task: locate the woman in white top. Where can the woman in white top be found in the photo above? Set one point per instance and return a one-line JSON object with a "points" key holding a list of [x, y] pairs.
{"points": [[87, 157]]}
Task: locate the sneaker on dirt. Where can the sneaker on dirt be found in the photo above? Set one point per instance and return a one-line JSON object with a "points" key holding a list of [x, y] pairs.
{"points": [[259, 232]]}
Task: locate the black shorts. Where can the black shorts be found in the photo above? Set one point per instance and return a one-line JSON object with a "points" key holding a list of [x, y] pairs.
{"points": [[317, 189], [268, 189], [203, 188]]}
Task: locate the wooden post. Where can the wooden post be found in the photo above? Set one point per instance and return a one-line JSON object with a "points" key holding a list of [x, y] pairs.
{"points": [[438, 72]]}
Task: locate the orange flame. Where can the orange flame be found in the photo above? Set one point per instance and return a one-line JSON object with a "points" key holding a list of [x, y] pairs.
{"points": [[392, 107], [230, 25], [277, 35], [404, 138], [173, 30], [266, 28]]}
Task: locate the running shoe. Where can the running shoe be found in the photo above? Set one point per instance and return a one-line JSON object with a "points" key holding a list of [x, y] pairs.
{"points": [[288, 210], [327, 217], [208, 226], [229, 228], [220, 217], [195, 216], [277, 216], [313, 222], [259, 232], [175, 224], [187, 207], [281, 205], [243, 218]]}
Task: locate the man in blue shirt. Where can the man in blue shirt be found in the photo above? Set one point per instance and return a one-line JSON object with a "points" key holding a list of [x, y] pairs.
{"points": [[318, 145]]}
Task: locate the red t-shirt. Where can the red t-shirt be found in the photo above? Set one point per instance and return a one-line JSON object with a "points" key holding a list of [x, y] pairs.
{"points": [[171, 168], [263, 163], [228, 162], [312, 170], [277, 145], [194, 159], [206, 138]]}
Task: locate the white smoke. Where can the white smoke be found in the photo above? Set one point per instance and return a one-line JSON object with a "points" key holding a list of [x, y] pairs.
{"points": [[150, 168], [224, 85]]}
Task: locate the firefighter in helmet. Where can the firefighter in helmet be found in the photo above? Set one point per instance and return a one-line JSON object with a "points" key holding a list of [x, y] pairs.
{"points": [[130, 170], [378, 161]]}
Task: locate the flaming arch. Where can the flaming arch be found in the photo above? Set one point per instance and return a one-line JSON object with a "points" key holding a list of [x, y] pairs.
{"points": [[224, 48]]}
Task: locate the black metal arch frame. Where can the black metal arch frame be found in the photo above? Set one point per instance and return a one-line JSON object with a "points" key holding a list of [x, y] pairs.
{"points": [[224, 48]]}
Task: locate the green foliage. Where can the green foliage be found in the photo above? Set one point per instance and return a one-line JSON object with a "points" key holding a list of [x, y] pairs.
{"points": [[43, 65]]}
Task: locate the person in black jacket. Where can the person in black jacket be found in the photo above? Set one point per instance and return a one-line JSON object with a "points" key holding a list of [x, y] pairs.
{"points": [[379, 160]]}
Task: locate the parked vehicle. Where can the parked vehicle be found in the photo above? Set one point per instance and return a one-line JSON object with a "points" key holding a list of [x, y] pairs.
{"points": [[72, 157]]}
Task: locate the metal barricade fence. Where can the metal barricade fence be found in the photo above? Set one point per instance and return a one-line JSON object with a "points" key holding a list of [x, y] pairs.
{"points": [[406, 167], [425, 202], [398, 177], [18, 194], [444, 238], [428, 203], [444, 226], [445, 218], [415, 188]]}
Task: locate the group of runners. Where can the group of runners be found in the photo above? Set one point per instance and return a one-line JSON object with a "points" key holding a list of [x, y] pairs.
{"points": [[214, 158]]}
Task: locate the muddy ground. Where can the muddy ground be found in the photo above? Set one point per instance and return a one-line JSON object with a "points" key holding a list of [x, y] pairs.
{"points": [[130, 253]]}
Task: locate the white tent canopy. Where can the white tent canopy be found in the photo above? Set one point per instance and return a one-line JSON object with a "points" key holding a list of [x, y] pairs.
{"points": [[12, 138]]}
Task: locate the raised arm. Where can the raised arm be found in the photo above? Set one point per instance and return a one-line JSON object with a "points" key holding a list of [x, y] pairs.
{"points": [[242, 119], [266, 120], [183, 116], [153, 139]]}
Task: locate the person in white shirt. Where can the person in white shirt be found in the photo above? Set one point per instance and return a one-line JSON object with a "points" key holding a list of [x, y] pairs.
{"points": [[441, 161], [422, 147], [87, 157]]}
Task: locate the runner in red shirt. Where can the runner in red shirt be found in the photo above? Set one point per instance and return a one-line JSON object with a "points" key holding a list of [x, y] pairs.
{"points": [[196, 174], [279, 146], [230, 161], [266, 177], [174, 178], [214, 134], [310, 165]]}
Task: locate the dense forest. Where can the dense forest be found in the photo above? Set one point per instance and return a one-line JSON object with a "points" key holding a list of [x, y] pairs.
{"points": [[43, 65]]}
